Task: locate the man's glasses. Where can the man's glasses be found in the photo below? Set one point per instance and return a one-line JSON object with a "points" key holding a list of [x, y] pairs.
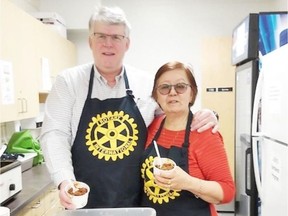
{"points": [[101, 37], [180, 88]]}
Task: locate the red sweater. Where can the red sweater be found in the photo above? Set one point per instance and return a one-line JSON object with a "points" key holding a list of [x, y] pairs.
{"points": [[207, 156]]}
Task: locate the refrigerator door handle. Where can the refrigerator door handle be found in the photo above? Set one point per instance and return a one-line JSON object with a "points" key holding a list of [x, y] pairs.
{"points": [[256, 164], [256, 113], [256, 132], [247, 175]]}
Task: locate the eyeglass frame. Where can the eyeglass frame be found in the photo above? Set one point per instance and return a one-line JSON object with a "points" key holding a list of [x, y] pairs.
{"points": [[114, 37], [174, 86]]}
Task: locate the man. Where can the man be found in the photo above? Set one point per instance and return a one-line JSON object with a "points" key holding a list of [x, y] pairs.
{"points": [[96, 117]]}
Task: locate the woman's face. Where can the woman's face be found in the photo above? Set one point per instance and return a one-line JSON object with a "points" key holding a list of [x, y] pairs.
{"points": [[174, 102]]}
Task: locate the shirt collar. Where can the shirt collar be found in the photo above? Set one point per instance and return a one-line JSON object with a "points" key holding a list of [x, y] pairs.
{"points": [[102, 79]]}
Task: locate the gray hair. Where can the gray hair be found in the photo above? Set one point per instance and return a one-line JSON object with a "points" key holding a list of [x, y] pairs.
{"points": [[109, 15]]}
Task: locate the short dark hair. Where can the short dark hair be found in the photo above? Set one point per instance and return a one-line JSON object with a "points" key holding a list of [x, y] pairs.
{"points": [[172, 66]]}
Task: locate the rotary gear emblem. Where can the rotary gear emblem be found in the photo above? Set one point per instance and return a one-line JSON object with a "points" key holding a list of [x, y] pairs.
{"points": [[112, 135], [155, 193]]}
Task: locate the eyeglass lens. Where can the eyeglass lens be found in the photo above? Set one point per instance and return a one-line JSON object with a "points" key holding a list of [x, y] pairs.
{"points": [[103, 37], [180, 88]]}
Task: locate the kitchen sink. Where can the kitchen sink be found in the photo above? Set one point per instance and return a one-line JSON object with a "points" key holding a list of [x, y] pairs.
{"points": [[5, 163]]}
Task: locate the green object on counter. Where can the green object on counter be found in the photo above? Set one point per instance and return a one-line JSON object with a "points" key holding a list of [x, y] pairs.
{"points": [[24, 142]]}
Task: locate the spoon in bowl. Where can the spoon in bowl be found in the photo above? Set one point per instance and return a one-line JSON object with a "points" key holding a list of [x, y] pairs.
{"points": [[72, 185], [157, 152]]}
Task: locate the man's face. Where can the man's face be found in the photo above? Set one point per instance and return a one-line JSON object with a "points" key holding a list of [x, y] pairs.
{"points": [[109, 45]]}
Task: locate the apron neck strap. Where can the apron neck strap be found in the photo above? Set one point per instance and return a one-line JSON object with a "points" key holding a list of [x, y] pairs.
{"points": [[91, 82], [129, 91], [187, 131]]}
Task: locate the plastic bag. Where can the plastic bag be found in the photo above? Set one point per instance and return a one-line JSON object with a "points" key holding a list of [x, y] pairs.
{"points": [[24, 142]]}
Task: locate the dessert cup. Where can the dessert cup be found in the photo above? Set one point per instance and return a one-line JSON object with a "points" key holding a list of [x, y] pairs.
{"points": [[163, 165], [79, 196]]}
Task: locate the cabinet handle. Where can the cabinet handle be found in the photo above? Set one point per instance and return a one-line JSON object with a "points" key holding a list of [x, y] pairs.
{"points": [[20, 109], [25, 105]]}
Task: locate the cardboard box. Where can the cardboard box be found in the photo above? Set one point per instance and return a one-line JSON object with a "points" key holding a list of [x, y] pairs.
{"points": [[53, 20]]}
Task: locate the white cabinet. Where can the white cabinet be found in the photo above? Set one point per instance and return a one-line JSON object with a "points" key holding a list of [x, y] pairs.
{"points": [[17, 46], [24, 41]]}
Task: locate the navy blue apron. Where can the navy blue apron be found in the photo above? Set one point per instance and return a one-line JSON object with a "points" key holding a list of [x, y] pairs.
{"points": [[168, 202], [107, 150]]}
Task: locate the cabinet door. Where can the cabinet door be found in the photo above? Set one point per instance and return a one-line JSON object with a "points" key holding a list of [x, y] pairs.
{"points": [[60, 52], [18, 46], [7, 32], [24, 41]]}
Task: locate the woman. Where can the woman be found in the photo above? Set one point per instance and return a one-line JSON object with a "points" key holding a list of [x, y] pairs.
{"points": [[202, 176]]}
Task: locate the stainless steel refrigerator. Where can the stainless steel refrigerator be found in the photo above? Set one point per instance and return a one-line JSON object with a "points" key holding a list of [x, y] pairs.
{"points": [[261, 115], [246, 196], [245, 57]]}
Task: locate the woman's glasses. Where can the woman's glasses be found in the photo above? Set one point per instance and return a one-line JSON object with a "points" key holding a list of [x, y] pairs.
{"points": [[180, 88]]}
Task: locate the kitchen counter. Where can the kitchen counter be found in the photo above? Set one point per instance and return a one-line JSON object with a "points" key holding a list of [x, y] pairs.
{"points": [[109, 211], [35, 181]]}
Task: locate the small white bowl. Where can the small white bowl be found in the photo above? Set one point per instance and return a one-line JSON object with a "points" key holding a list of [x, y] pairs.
{"points": [[167, 165], [79, 201]]}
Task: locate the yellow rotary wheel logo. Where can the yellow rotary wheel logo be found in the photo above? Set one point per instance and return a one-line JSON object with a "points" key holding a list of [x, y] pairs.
{"points": [[112, 135], [155, 193]]}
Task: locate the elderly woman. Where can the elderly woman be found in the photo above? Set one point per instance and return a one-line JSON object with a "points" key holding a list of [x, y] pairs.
{"points": [[202, 176]]}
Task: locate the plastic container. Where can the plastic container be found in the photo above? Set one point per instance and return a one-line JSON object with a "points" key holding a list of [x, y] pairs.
{"points": [[79, 201], [163, 161], [109, 212]]}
